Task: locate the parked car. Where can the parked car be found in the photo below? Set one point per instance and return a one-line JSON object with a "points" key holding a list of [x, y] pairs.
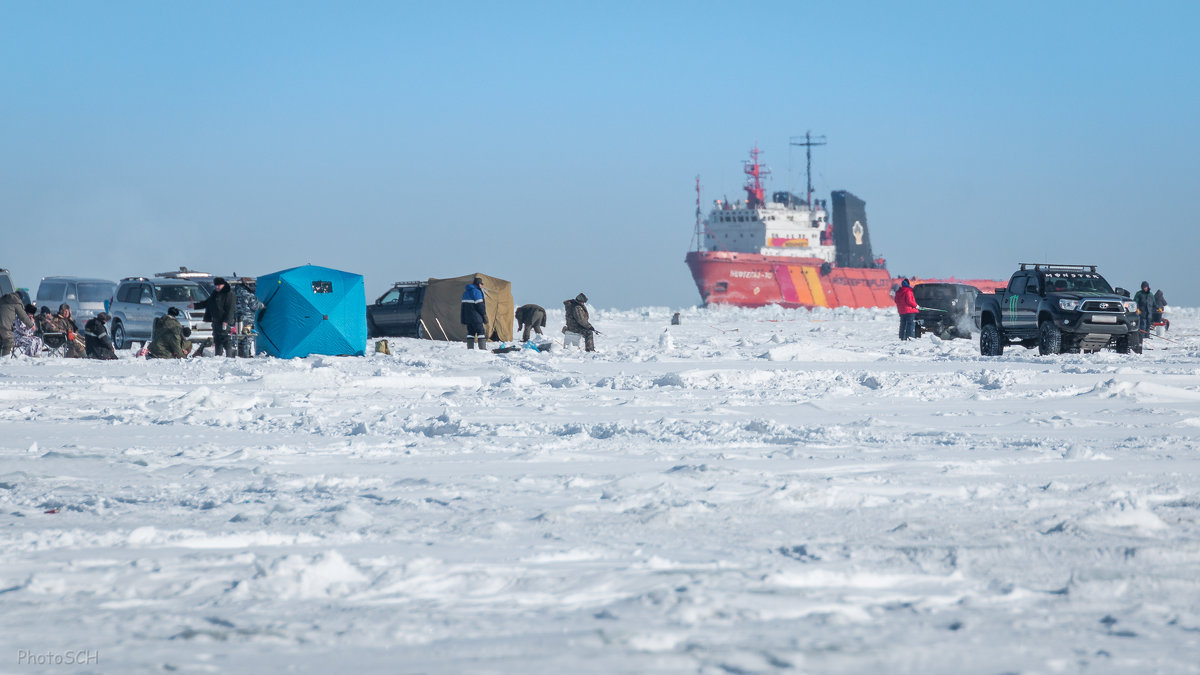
{"points": [[946, 310], [397, 313], [140, 300], [84, 295], [7, 285]]}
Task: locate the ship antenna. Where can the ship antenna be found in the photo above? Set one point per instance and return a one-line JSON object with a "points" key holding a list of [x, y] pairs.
{"points": [[699, 239], [808, 144], [754, 170]]}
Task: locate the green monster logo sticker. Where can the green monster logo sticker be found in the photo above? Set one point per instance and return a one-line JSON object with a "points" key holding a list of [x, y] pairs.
{"points": [[1012, 307]]}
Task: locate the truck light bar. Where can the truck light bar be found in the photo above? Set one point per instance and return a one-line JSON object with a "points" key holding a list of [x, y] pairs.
{"points": [[1051, 267]]}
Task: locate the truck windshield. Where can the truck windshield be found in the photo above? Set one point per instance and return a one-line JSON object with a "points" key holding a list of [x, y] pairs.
{"points": [[1076, 282], [180, 292], [95, 291]]}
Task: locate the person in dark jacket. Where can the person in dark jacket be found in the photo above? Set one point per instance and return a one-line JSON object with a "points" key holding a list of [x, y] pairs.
{"points": [[906, 307], [577, 321], [96, 341], [220, 309], [1160, 305], [530, 317], [12, 310], [474, 314], [170, 338], [1145, 305]]}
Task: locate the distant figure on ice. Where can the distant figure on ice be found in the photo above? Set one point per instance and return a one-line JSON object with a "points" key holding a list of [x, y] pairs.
{"points": [[1145, 305], [473, 314], [221, 309], [26, 336], [1160, 306], [675, 319], [12, 311], [906, 306], [170, 338], [530, 317], [577, 321], [96, 341]]}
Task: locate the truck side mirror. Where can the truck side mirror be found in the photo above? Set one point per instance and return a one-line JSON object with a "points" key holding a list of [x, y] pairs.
{"points": [[1122, 292]]}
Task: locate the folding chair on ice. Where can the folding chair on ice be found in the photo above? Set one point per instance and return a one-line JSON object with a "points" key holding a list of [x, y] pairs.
{"points": [[55, 343]]}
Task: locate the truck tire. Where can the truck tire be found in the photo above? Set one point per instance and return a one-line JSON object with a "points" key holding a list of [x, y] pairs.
{"points": [[1131, 342], [990, 342], [1049, 339]]}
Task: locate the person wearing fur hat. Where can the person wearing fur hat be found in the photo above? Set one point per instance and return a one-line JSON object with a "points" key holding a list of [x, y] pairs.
{"points": [[220, 309], [65, 323], [96, 341], [577, 321]]}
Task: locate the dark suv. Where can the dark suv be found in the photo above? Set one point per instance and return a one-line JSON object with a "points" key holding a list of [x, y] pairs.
{"points": [[397, 313], [947, 310], [1057, 308]]}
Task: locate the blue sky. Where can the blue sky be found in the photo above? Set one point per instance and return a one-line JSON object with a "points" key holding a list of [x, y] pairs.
{"points": [[556, 144]]}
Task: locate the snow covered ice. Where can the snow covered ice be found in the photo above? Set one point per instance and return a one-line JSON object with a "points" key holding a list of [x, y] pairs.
{"points": [[752, 491]]}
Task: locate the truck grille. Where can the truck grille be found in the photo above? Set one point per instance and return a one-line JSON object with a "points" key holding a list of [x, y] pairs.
{"points": [[1103, 306]]}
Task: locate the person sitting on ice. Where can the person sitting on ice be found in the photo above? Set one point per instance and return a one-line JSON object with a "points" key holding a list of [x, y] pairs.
{"points": [[170, 338], [906, 307], [577, 321], [96, 340]]}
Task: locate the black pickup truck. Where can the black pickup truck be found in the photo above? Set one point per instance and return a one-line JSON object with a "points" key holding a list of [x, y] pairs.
{"points": [[1058, 309]]}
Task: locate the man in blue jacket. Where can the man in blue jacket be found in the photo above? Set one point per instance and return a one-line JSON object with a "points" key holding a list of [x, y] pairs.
{"points": [[474, 314]]}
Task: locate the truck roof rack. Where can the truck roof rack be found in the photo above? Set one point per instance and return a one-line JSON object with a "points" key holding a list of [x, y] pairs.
{"points": [[1051, 267], [407, 283]]}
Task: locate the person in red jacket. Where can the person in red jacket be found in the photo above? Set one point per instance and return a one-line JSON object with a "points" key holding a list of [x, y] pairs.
{"points": [[906, 306]]}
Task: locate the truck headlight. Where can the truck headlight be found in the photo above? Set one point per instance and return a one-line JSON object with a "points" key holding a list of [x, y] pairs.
{"points": [[1069, 305], [1130, 306]]}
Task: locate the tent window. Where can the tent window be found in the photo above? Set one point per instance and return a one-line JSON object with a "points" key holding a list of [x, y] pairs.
{"points": [[322, 287]]}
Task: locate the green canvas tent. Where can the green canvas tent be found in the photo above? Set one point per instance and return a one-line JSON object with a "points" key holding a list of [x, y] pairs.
{"points": [[441, 309]]}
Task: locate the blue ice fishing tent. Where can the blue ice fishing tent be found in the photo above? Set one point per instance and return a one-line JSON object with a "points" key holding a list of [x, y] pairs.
{"points": [[312, 310]]}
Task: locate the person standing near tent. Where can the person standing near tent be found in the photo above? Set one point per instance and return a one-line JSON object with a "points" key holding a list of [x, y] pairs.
{"points": [[906, 307], [530, 317], [577, 321], [474, 314], [221, 310]]}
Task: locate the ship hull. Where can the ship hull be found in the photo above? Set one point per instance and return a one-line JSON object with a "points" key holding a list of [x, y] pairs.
{"points": [[753, 280]]}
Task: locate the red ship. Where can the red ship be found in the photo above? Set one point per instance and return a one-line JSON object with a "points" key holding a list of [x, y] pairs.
{"points": [[788, 252]]}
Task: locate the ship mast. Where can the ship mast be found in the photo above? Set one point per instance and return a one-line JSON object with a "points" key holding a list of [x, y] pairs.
{"points": [[754, 171], [808, 144], [699, 238]]}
